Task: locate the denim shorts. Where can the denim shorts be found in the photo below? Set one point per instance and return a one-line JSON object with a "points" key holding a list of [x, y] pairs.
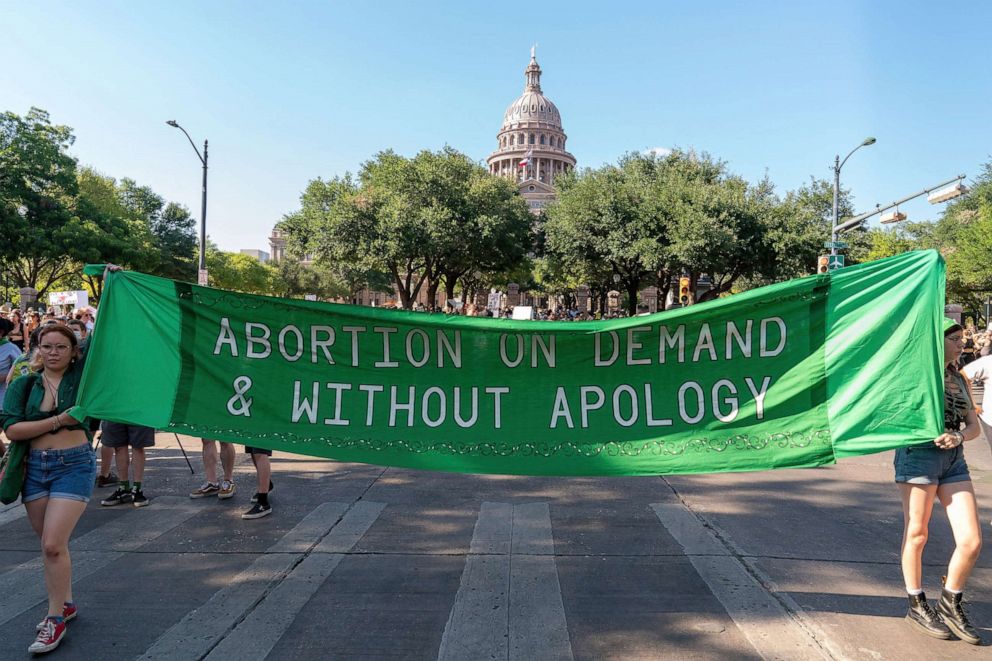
{"points": [[928, 464], [66, 474]]}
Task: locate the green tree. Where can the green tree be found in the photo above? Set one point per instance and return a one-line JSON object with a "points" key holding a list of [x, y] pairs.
{"points": [[239, 272], [37, 198], [174, 232], [434, 217], [648, 219]]}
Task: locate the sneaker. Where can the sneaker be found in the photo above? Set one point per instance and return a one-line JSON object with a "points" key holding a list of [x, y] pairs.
{"points": [[109, 481], [227, 489], [49, 637], [138, 498], [119, 497], [205, 489], [254, 498], [68, 613], [257, 511]]}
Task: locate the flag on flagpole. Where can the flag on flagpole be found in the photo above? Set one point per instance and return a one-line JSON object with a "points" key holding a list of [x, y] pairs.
{"points": [[527, 157]]}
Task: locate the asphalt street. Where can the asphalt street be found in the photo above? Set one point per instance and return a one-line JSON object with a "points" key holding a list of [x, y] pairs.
{"points": [[366, 562]]}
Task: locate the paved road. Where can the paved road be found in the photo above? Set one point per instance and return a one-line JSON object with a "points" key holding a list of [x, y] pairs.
{"points": [[363, 562]]}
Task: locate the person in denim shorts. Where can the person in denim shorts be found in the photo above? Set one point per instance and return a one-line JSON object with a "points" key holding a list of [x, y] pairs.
{"points": [[61, 465], [938, 470]]}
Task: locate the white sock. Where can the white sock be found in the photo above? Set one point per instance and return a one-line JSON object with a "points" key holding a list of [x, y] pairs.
{"points": [[913, 592], [952, 591]]}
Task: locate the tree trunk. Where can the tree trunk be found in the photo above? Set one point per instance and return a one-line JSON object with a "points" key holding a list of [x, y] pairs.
{"points": [[632, 297]]}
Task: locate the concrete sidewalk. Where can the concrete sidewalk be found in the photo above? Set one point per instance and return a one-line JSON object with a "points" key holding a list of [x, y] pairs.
{"points": [[364, 562]]}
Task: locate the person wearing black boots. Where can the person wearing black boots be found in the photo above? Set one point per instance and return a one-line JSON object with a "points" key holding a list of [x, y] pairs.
{"points": [[926, 472]]}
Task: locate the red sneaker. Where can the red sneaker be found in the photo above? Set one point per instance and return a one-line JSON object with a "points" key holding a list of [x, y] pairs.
{"points": [[68, 613], [49, 637]]}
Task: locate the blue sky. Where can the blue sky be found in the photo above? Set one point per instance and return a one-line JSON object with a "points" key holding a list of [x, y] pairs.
{"points": [[290, 91]]}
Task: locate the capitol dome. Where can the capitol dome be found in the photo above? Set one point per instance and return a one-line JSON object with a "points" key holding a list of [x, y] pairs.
{"points": [[532, 107], [532, 141]]}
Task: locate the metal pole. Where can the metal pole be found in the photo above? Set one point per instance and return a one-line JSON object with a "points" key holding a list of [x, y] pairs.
{"points": [[192, 472], [203, 214], [833, 231]]}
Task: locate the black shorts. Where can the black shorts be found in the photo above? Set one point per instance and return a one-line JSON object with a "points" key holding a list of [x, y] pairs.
{"points": [[250, 450], [117, 435]]}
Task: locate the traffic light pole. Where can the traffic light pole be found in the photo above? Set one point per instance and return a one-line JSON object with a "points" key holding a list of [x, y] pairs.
{"points": [[852, 223]]}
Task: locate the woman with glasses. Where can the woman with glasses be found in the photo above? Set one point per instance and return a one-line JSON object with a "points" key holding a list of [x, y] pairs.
{"points": [[938, 470], [61, 465]]}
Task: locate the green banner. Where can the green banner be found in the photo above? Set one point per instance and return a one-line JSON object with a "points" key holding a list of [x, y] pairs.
{"points": [[794, 374]]}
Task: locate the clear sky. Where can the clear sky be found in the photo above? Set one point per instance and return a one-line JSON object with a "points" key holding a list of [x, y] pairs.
{"points": [[290, 91]]}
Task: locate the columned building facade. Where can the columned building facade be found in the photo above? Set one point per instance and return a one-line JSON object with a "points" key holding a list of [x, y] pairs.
{"points": [[531, 143]]}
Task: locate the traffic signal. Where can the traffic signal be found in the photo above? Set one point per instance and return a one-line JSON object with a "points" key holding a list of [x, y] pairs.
{"points": [[823, 264], [684, 290]]}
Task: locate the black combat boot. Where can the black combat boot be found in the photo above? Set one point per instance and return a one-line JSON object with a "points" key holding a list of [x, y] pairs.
{"points": [[922, 616], [952, 613]]}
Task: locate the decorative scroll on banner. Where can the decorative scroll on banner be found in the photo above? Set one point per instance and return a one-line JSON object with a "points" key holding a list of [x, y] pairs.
{"points": [[794, 374]]}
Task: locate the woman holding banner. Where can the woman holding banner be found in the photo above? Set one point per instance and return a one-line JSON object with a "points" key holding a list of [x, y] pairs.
{"points": [[926, 472], [60, 465]]}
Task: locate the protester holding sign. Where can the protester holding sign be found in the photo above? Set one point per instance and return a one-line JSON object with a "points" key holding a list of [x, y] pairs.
{"points": [[60, 465], [939, 471]]}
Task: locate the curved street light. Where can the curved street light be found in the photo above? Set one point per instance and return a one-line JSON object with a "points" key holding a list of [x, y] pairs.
{"points": [[202, 275], [838, 164]]}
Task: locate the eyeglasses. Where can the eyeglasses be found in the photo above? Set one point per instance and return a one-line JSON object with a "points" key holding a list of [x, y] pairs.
{"points": [[54, 348]]}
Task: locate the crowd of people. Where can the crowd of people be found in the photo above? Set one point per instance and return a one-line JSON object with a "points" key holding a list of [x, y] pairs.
{"points": [[42, 356]]}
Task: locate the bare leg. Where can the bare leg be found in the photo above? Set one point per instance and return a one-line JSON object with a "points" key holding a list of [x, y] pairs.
{"points": [[227, 460], [61, 517], [917, 506], [123, 462], [210, 460], [137, 464], [958, 499], [106, 460], [263, 470], [36, 514]]}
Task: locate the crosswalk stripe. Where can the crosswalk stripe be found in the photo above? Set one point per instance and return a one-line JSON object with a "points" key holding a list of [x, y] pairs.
{"points": [[22, 587], [508, 604], [195, 635], [258, 633], [764, 621]]}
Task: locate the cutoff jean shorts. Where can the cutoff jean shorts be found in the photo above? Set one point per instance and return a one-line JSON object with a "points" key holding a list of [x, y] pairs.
{"points": [[928, 464], [68, 474]]}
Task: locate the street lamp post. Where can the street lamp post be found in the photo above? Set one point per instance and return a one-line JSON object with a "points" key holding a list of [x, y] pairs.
{"points": [[202, 274], [838, 164]]}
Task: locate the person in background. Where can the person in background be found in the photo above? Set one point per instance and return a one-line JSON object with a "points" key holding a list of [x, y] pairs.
{"points": [[32, 324], [225, 488], [8, 354], [263, 472], [18, 334], [120, 437], [979, 372], [938, 470]]}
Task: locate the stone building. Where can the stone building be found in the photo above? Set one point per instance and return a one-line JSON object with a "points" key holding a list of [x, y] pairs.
{"points": [[277, 247], [531, 143]]}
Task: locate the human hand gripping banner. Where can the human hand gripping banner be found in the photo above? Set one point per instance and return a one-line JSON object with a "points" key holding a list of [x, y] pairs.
{"points": [[795, 374]]}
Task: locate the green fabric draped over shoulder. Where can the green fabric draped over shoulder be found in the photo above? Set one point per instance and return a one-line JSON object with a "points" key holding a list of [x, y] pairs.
{"points": [[795, 374]]}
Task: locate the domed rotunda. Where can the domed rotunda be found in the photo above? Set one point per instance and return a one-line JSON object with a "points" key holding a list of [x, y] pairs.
{"points": [[532, 143]]}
